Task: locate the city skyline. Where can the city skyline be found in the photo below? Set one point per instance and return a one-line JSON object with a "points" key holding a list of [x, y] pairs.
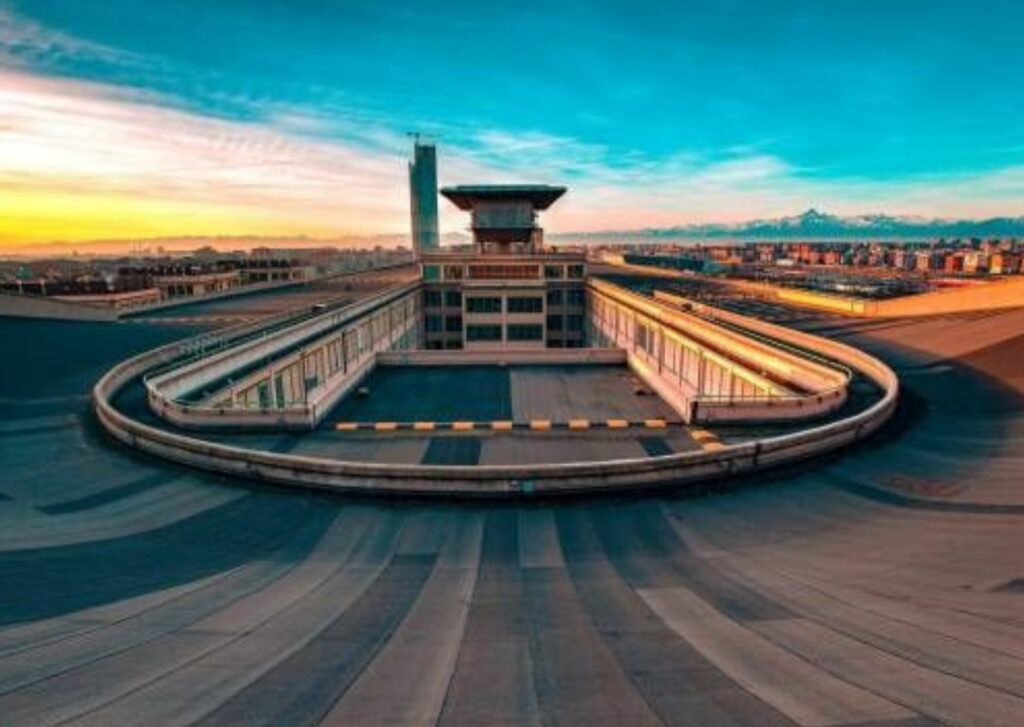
{"points": [[255, 119]]}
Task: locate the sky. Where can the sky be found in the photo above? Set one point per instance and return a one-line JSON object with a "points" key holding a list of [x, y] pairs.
{"points": [[133, 119]]}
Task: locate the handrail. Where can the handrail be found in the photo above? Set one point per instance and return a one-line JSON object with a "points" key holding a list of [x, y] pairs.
{"points": [[796, 351], [296, 414], [800, 402], [650, 305], [344, 312]]}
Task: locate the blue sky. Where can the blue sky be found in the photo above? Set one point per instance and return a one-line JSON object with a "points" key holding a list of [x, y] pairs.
{"points": [[652, 113]]}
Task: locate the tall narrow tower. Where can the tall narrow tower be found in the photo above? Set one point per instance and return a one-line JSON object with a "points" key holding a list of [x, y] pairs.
{"points": [[423, 197]]}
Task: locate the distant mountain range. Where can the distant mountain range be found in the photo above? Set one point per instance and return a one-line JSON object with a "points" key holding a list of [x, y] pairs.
{"points": [[811, 225], [815, 225]]}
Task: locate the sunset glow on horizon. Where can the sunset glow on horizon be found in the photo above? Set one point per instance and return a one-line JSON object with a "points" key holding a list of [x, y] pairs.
{"points": [[222, 118]]}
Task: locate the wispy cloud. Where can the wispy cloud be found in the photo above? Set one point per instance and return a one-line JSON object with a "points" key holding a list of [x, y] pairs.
{"points": [[612, 190], [25, 42], [72, 138], [128, 160]]}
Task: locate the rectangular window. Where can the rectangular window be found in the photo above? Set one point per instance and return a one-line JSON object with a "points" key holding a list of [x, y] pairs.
{"points": [[351, 345], [292, 384], [483, 305], [575, 271], [263, 393], [453, 324], [453, 272], [554, 271], [525, 332], [554, 323], [483, 333], [432, 299], [431, 272], [670, 353], [364, 337], [555, 297], [433, 324], [336, 359], [641, 336], [453, 299], [279, 390], [575, 296], [575, 322], [533, 304]]}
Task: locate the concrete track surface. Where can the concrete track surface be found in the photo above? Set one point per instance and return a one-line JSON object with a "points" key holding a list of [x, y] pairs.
{"points": [[882, 587]]}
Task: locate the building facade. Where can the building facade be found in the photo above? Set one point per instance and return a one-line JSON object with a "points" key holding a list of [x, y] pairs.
{"points": [[508, 292], [423, 198]]}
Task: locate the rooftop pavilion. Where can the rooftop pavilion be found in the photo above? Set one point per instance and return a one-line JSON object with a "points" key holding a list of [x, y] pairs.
{"points": [[508, 293], [504, 217]]}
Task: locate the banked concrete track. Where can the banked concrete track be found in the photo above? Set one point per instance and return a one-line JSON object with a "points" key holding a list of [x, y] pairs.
{"points": [[883, 586]]}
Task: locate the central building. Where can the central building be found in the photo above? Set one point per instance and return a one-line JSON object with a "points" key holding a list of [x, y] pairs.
{"points": [[508, 292]]}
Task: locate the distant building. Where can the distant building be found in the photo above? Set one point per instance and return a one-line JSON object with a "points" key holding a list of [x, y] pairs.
{"points": [[1004, 263], [903, 260], [507, 292], [189, 283], [265, 265], [126, 299], [423, 198], [926, 260], [975, 262], [766, 253]]}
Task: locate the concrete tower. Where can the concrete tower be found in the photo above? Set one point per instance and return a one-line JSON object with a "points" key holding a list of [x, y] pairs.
{"points": [[423, 196]]}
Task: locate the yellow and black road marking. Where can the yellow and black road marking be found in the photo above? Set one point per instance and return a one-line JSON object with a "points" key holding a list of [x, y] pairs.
{"points": [[508, 425], [707, 440]]}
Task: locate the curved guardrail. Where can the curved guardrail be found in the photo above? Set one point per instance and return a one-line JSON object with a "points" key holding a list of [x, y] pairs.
{"points": [[817, 386], [506, 480], [280, 335]]}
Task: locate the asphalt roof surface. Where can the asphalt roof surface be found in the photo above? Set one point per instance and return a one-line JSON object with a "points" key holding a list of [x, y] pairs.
{"points": [[484, 393], [880, 587]]}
